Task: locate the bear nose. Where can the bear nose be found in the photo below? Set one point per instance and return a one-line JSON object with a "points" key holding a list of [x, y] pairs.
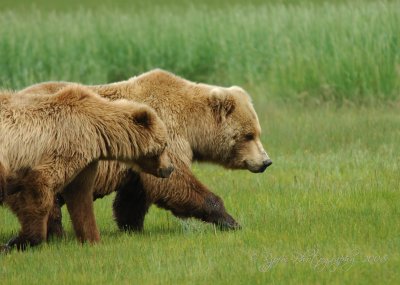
{"points": [[266, 163], [166, 172]]}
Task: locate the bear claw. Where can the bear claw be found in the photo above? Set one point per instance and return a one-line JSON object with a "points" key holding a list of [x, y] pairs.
{"points": [[21, 243], [229, 225]]}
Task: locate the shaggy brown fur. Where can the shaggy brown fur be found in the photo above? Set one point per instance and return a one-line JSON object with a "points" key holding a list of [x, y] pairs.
{"points": [[3, 192], [205, 122], [59, 139]]}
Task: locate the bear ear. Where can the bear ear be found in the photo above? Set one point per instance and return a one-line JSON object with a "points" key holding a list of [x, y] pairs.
{"points": [[73, 93], [222, 104], [143, 117], [237, 88]]}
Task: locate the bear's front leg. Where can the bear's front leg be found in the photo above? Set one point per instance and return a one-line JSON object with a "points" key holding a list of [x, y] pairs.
{"points": [[181, 193], [78, 196], [32, 206], [193, 199], [33, 232]]}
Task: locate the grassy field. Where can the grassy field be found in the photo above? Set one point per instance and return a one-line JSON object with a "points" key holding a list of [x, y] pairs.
{"points": [[325, 212], [325, 78]]}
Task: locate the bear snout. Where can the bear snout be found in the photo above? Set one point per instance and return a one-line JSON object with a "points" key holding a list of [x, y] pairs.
{"points": [[258, 167], [165, 172], [265, 165]]}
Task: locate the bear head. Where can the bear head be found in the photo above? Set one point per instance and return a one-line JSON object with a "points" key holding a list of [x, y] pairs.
{"points": [[235, 136], [152, 140]]}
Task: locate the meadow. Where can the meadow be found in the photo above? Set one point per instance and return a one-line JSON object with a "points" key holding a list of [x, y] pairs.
{"points": [[325, 79]]}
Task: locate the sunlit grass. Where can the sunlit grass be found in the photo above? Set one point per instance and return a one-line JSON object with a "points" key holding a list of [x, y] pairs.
{"points": [[325, 212]]}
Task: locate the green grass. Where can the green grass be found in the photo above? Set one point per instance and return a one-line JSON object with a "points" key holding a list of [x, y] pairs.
{"points": [[309, 51], [325, 212]]}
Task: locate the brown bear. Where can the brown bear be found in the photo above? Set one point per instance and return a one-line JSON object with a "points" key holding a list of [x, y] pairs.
{"points": [[2, 183], [204, 122], [58, 140]]}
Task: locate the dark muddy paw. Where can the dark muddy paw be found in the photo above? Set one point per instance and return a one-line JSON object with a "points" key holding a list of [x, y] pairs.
{"points": [[216, 213], [228, 224], [131, 229], [21, 243], [17, 242]]}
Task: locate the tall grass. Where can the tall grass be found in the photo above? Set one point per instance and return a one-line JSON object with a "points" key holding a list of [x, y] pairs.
{"points": [[347, 51]]}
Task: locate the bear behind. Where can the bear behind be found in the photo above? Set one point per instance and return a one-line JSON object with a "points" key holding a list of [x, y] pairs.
{"points": [[205, 123]]}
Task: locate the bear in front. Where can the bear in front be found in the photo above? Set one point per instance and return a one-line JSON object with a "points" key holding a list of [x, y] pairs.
{"points": [[53, 143], [204, 122]]}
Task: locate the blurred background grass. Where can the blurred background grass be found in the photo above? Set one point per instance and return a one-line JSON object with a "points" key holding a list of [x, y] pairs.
{"points": [[48, 5], [341, 51]]}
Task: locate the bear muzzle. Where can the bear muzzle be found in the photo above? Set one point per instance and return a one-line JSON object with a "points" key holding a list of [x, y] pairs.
{"points": [[265, 165], [165, 172]]}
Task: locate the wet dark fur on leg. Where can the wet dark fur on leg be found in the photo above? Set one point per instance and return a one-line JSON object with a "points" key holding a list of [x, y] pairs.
{"points": [[133, 200], [54, 223], [131, 205]]}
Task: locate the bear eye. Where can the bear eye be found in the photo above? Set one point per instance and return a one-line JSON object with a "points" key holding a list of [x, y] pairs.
{"points": [[249, 137]]}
